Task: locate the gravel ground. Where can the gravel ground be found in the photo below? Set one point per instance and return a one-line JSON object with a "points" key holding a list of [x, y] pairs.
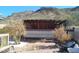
{"points": [[38, 47], [42, 51]]}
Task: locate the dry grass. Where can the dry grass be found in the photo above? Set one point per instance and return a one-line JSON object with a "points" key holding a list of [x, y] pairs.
{"points": [[61, 34]]}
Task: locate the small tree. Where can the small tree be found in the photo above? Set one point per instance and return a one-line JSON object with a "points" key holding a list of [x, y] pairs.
{"points": [[16, 29]]}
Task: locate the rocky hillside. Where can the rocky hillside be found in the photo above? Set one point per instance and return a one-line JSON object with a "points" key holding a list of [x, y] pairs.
{"points": [[42, 13], [75, 9]]}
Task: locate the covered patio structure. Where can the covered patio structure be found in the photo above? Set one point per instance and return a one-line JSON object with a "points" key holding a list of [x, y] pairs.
{"points": [[42, 28]]}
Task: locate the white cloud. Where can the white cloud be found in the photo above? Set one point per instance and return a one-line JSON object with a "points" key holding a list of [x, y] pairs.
{"points": [[2, 16], [1, 13]]}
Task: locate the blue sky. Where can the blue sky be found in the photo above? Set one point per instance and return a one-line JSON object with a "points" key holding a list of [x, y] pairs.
{"points": [[8, 10]]}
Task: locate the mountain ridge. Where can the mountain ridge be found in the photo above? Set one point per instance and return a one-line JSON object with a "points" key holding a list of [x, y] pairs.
{"points": [[47, 13]]}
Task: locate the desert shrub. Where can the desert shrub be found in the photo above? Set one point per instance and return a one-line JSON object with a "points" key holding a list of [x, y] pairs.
{"points": [[61, 34]]}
